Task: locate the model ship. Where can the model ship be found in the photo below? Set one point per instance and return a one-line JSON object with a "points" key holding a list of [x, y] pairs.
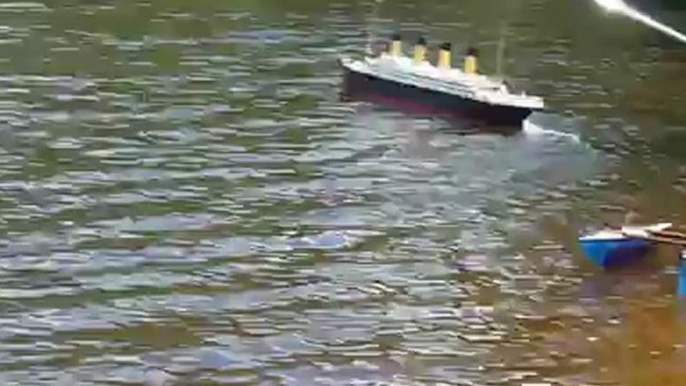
{"points": [[462, 91]]}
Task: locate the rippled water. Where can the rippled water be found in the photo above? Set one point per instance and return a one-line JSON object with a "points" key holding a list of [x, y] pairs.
{"points": [[186, 200]]}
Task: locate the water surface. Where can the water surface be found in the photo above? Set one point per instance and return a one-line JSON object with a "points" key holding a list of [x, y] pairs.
{"points": [[186, 200]]}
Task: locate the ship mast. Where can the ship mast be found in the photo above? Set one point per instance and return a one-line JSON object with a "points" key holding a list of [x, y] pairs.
{"points": [[499, 52], [371, 32]]}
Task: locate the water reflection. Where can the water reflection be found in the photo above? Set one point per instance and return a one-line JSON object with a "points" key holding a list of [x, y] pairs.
{"points": [[188, 201]]}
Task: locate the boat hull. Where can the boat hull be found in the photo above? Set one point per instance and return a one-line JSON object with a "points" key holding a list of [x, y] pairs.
{"points": [[357, 84], [616, 252]]}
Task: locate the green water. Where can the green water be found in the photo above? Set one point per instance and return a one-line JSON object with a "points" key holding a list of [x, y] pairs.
{"points": [[187, 200]]}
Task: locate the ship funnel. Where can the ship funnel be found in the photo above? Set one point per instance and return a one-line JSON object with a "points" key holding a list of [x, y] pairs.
{"points": [[444, 56], [471, 61], [396, 45], [420, 50]]}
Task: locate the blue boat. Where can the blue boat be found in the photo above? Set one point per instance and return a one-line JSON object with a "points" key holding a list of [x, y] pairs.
{"points": [[612, 248]]}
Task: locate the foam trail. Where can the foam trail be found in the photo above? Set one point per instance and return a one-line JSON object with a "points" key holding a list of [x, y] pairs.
{"points": [[619, 6], [532, 129]]}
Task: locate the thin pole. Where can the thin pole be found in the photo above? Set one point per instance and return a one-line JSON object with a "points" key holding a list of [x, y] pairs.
{"points": [[371, 33], [499, 52]]}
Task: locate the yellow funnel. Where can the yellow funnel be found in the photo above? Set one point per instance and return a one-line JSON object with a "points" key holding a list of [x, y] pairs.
{"points": [[396, 45], [444, 56], [420, 51], [471, 62]]}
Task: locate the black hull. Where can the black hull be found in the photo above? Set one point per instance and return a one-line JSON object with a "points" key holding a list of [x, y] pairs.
{"points": [[362, 86]]}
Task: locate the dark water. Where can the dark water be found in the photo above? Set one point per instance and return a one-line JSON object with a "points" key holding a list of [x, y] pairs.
{"points": [[187, 201]]}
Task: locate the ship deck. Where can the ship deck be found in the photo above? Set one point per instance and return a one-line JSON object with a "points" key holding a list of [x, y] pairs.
{"points": [[454, 81]]}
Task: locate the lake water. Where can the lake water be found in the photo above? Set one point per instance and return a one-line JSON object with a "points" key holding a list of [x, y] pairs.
{"points": [[187, 200]]}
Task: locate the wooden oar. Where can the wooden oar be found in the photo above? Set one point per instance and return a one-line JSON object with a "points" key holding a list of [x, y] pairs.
{"points": [[671, 234], [659, 239]]}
